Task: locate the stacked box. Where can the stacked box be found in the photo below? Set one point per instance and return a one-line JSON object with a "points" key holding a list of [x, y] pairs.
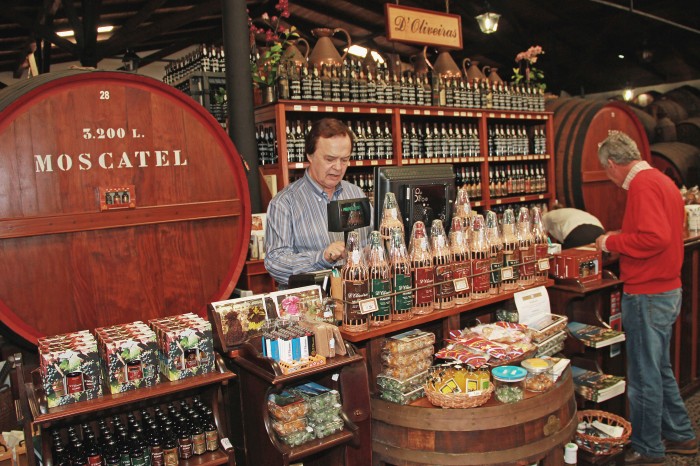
{"points": [[185, 345], [584, 264], [324, 415], [129, 354], [405, 360], [288, 412], [69, 365]]}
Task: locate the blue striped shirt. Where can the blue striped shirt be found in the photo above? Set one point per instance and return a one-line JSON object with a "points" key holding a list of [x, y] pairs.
{"points": [[297, 233]]}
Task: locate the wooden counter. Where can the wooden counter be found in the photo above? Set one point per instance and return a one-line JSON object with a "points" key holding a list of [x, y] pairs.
{"points": [[684, 343]]}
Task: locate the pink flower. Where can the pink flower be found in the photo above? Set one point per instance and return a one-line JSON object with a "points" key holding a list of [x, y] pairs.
{"points": [[265, 16]]}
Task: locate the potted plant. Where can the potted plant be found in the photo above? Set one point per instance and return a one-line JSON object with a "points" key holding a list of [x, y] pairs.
{"points": [[526, 71]]}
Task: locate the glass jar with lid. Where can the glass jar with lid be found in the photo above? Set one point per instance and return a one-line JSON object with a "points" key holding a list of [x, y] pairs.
{"points": [[539, 374], [508, 382]]}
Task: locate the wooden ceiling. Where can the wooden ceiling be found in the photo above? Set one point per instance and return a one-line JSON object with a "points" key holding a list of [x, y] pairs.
{"points": [[659, 39]]}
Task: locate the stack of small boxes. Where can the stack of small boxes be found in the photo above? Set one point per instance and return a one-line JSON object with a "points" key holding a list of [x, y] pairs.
{"points": [[70, 368], [305, 412], [185, 345], [405, 361], [129, 355], [292, 346]]}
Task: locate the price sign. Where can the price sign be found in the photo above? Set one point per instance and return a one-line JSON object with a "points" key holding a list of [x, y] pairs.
{"points": [[368, 306], [507, 273], [543, 264], [461, 284]]}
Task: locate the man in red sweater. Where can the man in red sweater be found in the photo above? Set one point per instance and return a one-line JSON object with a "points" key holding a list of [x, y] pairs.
{"points": [[650, 245]]}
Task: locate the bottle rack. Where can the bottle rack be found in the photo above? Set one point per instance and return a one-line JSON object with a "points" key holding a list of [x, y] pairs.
{"points": [[38, 419], [537, 126]]}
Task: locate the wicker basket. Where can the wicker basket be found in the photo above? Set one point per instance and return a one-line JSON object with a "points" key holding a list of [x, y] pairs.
{"points": [[603, 445], [457, 400]]}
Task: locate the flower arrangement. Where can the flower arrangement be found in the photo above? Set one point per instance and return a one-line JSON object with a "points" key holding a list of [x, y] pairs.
{"points": [[525, 69], [276, 37]]}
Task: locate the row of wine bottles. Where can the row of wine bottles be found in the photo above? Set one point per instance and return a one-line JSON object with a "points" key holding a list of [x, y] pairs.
{"points": [[156, 437], [519, 178], [477, 259], [206, 58], [353, 82], [373, 140]]}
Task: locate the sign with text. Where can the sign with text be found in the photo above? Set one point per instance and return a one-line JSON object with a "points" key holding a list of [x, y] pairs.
{"points": [[426, 27]]}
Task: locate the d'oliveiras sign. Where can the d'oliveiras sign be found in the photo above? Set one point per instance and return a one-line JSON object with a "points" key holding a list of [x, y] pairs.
{"points": [[425, 27]]}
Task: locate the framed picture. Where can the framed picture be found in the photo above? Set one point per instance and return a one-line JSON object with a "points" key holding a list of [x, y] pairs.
{"points": [[303, 303], [239, 319]]}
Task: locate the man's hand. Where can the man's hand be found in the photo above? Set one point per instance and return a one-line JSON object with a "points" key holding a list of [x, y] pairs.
{"points": [[600, 241], [334, 252]]}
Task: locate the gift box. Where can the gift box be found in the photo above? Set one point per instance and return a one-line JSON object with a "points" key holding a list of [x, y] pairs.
{"points": [[584, 264]]}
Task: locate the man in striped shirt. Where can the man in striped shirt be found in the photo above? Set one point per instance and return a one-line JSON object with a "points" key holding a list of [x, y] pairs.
{"points": [[297, 239]]}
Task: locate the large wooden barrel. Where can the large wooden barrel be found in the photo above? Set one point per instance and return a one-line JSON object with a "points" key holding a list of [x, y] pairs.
{"points": [[581, 182], [647, 121], [688, 131], [687, 97], [74, 254], [521, 433], [680, 161], [666, 107]]}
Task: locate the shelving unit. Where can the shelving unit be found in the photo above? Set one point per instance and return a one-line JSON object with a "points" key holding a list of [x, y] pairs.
{"points": [[207, 88], [260, 376], [277, 115], [39, 418], [590, 303]]}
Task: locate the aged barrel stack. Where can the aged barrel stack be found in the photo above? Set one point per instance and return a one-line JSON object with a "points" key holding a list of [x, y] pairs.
{"points": [[121, 199], [579, 126]]}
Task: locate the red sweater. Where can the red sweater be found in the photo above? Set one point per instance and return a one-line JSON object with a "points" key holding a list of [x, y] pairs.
{"points": [[651, 241]]}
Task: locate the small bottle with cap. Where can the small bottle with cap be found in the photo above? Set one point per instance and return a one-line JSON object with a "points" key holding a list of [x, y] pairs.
{"points": [[570, 453]]}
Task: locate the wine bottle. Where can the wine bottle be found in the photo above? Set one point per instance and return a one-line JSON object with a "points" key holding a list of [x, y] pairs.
{"points": [[526, 277], [539, 239], [422, 270], [442, 263], [511, 252], [401, 280], [355, 283], [379, 280], [479, 250], [493, 236], [461, 262]]}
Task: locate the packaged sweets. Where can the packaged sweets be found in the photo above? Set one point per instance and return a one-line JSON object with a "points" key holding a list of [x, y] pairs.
{"points": [[317, 396], [408, 341], [403, 372], [325, 415], [289, 427], [551, 345], [539, 374], [298, 438], [402, 398], [408, 384], [402, 359], [508, 383], [286, 406], [328, 428]]}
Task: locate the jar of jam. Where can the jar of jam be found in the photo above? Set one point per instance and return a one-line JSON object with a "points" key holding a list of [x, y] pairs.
{"points": [[539, 374], [508, 383], [74, 382]]}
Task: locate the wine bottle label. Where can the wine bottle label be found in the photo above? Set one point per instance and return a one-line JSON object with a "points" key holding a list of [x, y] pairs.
{"points": [[445, 287], [422, 277], [512, 259], [527, 257], [495, 276], [170, 457], [353, 292], [462, 269], [541, 251], [157, 457], [402, 301], [199, 444], [380, 288], [212, 438], [480, 268]]}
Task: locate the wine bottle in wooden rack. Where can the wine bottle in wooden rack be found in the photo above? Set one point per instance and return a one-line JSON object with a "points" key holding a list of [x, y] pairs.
{"points": [[481, 261], [526, 277], [442, 262], [493, 236], [355, 279], [379, 280], [539, 239], [511, 252], [461, 261], [422, 270]]}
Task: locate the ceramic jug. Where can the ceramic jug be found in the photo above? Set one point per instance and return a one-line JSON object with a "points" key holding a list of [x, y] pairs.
{"points": [[471, 69], [445, 66], [393, 61], [324, 52], [491, 74], [420, 62], [293, 54]]}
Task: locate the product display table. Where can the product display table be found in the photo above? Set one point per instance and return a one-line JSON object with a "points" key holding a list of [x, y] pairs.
{"points": [[534, 429]]}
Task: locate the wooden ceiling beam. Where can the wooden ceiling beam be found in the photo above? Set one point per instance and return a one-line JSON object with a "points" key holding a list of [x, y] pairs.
{"points": [[136, 20], [74, 20], [139, 35], [11, 12], [91, 17]]}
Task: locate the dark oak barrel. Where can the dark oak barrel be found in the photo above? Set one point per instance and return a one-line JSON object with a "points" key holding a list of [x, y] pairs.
{"points": [[667, 107], [680, 161], [72, 260], [581, 182], [647, 121], [687, 97], [688, 131], [522, 433]]}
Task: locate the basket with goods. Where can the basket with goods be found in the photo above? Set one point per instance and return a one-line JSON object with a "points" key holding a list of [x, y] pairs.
{"points": [[602, 433], [455, 386]]}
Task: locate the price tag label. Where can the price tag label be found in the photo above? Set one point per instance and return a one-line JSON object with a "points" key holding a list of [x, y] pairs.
{"points": [[388, 111], [528, 116], [360, 163], [441, 113], [477, 204], [417, 112], [341, 109], [297, 108], [541, 196], [356, 110], [329, 108], [498, 201], [543, 264], [470, 114], [402, 111], [512, 115], [456, 113], [313, 108], [374, 162], [373, 110], [461, 284], [226, 443], [522, 198], [441, 160], [507, 273], [368, 306]]}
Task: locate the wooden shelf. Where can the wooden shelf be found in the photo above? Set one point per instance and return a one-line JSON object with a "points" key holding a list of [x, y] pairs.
{"points": [[43, 415], [396, 326], [318, 445], [269, 370]]}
